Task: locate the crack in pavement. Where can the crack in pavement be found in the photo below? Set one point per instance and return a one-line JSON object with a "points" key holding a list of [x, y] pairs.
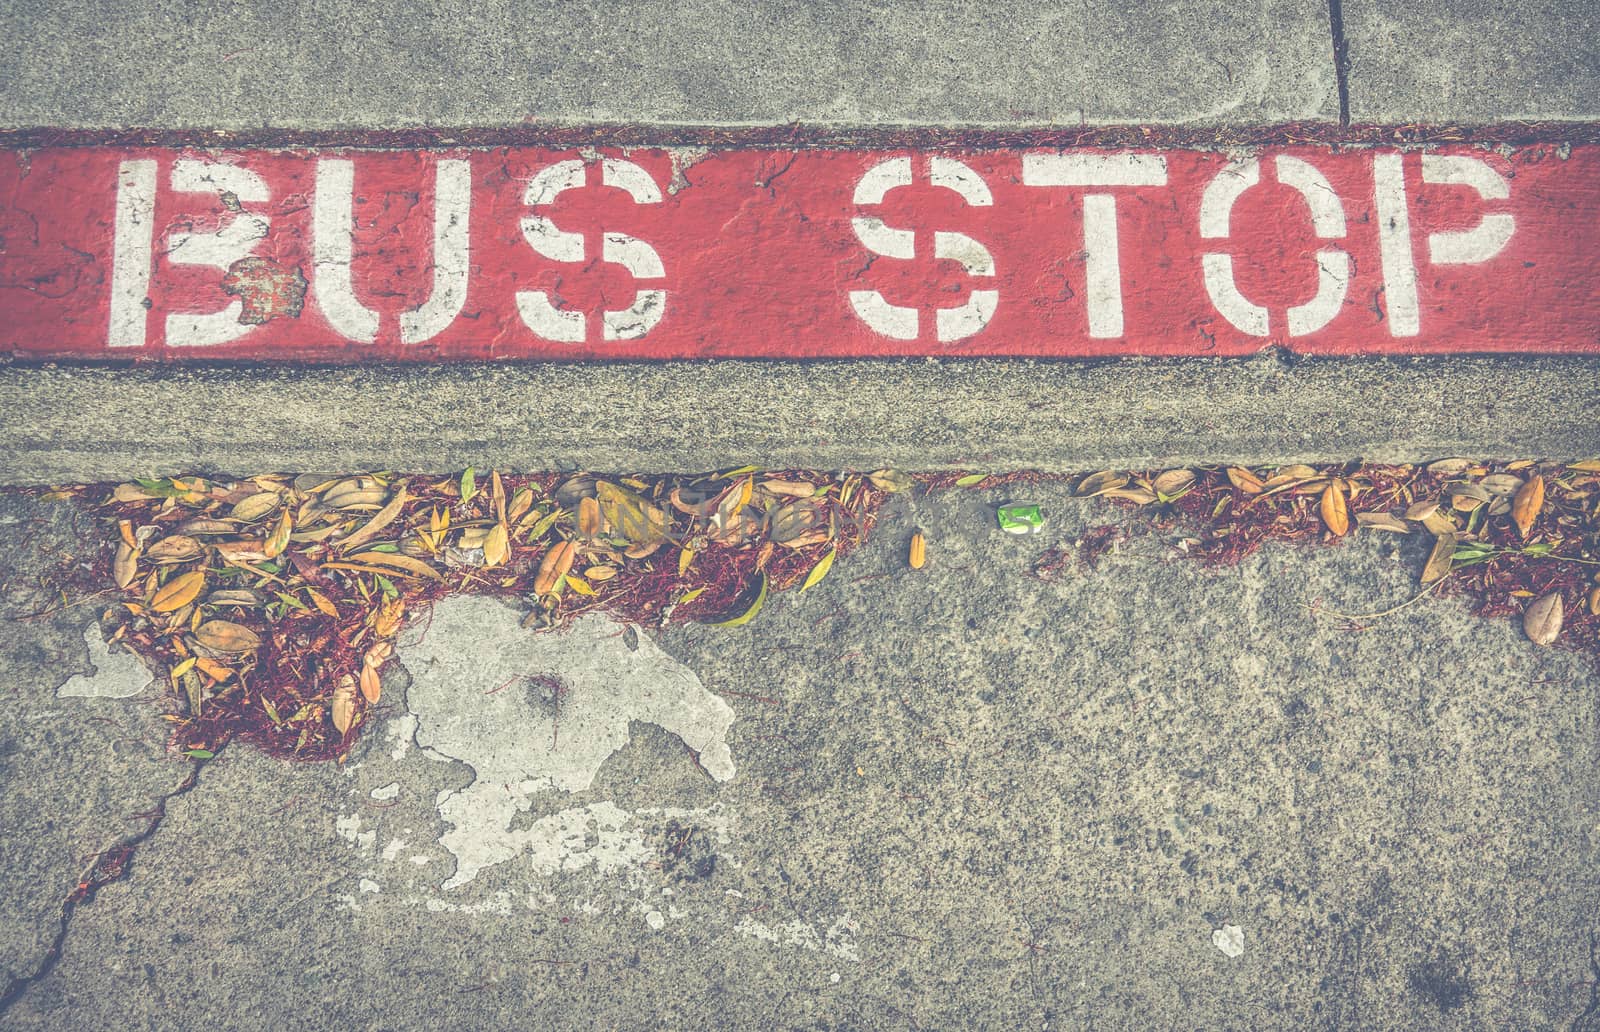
{"points": [[109, 865]]}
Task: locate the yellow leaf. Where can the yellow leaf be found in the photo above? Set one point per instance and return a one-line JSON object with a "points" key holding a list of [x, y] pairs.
{"points": [[579, 585], [278, 540], [755, 607], [178, 592], [322, 602], [556, 564], [1335, 512], [685, 558], [919, 550], [398, 560], [497, 545], [521, 502], [629, 515], [588, 517], [818, 572], [1527, 504], [690, 596], [183, 668]]}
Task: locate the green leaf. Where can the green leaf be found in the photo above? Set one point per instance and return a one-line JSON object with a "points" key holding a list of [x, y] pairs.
{"points": [[972, 479], [290, 600], [469, 485], [741, 471], [387, 586], [690, 596], [749, 614], [387, 547], [200, 754], [819, 571], [1543, 548]]}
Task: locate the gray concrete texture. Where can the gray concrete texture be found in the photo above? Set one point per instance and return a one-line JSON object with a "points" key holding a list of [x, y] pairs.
{"points": [[352, 63], [87, 424], [962, 797]]}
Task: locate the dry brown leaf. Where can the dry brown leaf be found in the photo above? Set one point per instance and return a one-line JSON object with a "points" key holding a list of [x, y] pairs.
{"points": [[1594, 601], [233, 597], [589, 518], [226, 636], [1439, 523], [557, 563], [1501, 484], [179, 548], [371, 684], [1449, 467], [644, 549], [386, 622], [1244, 480], [1542, 620], [1527, 504], [496, 545], [278, 540], [919, 550], [1382, 521], [344, 704], [322, 602], [400, 561], [703, 508], [1136, 495], [1099, 483], [890, 480], [255, 506], [791, 488], [178, 592], [126, 565], [1173, 482], [1334, 510], [1438, 564], [627, 513], [131, 493], [521, 502], [497, 494], [379, 521], [249, 550], [598, 574], [1420, 511], [794, 519]]}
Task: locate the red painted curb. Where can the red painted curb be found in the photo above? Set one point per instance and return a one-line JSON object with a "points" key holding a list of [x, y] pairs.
{"points": [[528, 253]]}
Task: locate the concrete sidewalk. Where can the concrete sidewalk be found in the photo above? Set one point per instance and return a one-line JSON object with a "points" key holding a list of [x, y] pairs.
{"points": [[956, 797]]}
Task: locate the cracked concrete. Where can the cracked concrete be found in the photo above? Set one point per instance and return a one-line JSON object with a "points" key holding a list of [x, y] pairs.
{"points": [[961, 796]]}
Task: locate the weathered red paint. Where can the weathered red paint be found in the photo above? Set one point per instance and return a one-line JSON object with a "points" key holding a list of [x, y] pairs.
{"points": [[760, 257]]}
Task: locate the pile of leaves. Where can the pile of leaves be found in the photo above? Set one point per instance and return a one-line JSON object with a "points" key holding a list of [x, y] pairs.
{"points": [[274, 602], [1518, 538]]}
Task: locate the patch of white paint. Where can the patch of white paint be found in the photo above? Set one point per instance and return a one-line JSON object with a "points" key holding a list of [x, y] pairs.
{"points": [[117, 675], [388, 791], [1229, 939], [536, 713], [393, 849], [838, 941], [655, 920], [349, 829], [368, 885], [401, 730]]}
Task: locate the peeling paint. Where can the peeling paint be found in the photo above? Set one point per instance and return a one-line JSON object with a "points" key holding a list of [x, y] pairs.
{"points": [[117, 675]]}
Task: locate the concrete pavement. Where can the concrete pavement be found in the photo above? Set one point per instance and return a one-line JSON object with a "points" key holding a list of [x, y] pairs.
{"points": [[956, 797]]}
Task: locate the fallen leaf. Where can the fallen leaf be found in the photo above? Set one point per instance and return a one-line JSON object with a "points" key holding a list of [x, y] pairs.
{"points": [[212, 669], [1382, 521], [1501, 484], [250, 550], [790, 488], [919, 550], [1420, 511], [972, 480], [1438, 564], [126, 565], [226, 636], [496, 545], [1244, 480], [323, 604], [891, 480], [1438, 523], [627, 513], [1335, 511], [790, 521], [1542, 620], [598, 574], [255, 506], [755, 607], [1099, 483], [521, 502], [371, 686], [818, 572], [703, 508], [589, 518], [1527, 504], [579, 585], [1586, 466], [1136, 495], [344, 704], [179, 548], [469, 485], [379, 521], [1173, 484], [387, 621], [685, 557], [1449, 467], [234, 597], [178, 592], [1594, 601], [497, 492], [556, 564], [278, 540]]}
